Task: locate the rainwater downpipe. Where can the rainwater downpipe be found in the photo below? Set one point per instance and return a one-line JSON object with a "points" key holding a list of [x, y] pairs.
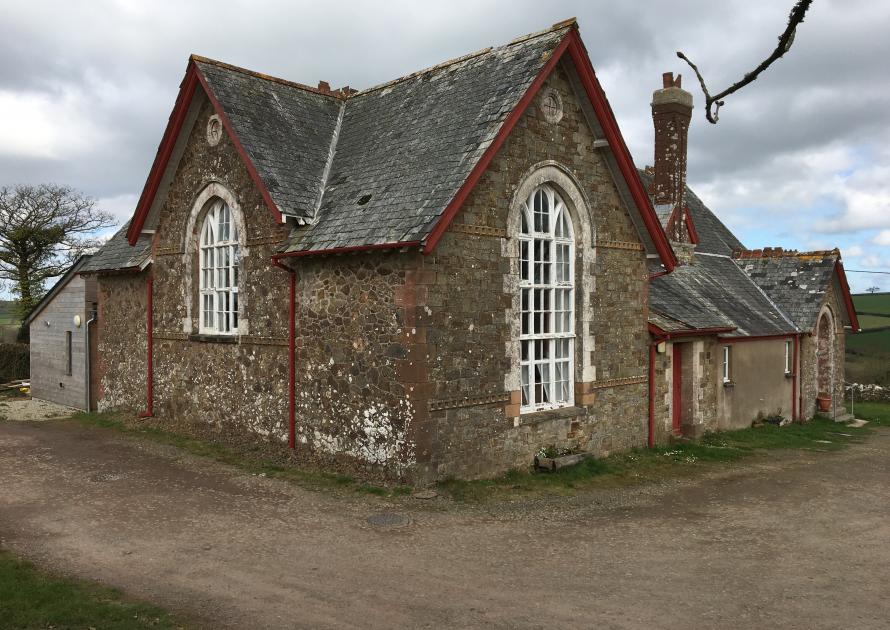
{"points": [[86, 366], [291, 356], [150, 393], [652, 353]]}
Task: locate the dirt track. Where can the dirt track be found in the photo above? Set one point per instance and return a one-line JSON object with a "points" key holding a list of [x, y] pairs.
{"points": [[795, 541]]}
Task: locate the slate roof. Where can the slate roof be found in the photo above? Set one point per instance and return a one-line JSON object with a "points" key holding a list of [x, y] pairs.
{"points": [[117, 254], [713, 236], [406, 147], [715, 293], [286, 129], [795, 281]]}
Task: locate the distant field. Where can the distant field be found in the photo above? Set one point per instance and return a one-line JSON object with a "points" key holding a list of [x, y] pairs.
{"points": [[872, 303], [867, 322], [868, 352], [8, 314]]}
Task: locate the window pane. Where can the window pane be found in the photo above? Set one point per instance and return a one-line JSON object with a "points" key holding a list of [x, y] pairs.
{"points": [[525, 386]]}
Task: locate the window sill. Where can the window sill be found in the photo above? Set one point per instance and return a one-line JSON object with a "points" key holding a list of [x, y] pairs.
{"points": [[537, 417], [213, 338]]}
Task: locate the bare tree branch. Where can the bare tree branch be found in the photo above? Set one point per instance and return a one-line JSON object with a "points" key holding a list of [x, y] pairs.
{"points": [[786, 39]]}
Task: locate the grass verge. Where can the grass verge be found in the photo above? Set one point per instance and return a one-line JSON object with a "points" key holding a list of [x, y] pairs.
{"points": [[682, 458], [253, 462], [33, 598]]}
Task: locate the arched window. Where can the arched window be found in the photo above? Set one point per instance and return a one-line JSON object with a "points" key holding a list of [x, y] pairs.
{"points": [[220, 256], [546, 285]]}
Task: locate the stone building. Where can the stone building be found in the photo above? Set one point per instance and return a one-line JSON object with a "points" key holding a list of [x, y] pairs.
{"points": [[433, 277], [736, 334], [59, 329]]}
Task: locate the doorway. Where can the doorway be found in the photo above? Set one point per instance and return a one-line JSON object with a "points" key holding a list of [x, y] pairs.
{"points": [[681, 404]]}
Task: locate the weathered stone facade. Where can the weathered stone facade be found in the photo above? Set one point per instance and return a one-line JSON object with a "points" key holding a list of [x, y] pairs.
{"points": [[471, 312], [811, 373], [120, 369]]}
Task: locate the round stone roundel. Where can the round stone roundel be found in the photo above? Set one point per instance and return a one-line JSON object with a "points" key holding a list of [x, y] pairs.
{"points": [[551, 105], [214, 130]]}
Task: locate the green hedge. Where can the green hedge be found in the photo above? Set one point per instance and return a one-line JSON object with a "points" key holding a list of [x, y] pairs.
{"points": [[14, 361]]}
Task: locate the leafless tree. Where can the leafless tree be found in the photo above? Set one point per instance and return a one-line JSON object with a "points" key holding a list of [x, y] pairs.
{"points": [[713, 103], [43, 229]]}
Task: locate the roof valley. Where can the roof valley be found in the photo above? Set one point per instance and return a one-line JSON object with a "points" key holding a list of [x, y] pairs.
{"points": [[326, 172]]}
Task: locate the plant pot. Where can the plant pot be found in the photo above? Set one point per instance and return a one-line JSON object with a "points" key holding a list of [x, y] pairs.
{"points": [[824, 402]]}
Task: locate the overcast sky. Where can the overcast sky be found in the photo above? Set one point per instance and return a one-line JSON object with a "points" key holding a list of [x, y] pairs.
{"points": [[799, 159]]}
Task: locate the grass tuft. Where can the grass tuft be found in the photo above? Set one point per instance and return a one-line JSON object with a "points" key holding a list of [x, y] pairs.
{"points": [[33, 598], [672, 460]]}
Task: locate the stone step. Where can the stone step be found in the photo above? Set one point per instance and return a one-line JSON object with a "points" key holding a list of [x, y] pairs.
{"points": [[842, 416]]}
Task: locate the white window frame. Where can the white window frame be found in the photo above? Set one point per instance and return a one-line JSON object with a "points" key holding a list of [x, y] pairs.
{"points": [[727, 364], [546, 302], [219, 255], [788, 356]]}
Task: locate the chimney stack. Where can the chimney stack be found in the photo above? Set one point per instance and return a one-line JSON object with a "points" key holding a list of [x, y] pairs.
{"points": [[671, 112]]}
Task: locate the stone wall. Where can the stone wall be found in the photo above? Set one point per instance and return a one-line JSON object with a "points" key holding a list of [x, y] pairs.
{"points": [[700, 362], [119, 373], [809, 363], [469, 322], [358, 343], [235, 386]]}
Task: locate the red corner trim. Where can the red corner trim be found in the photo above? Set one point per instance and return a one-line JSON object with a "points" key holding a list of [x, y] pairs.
{"points": [[848, 299], [192, 78], [571, 44]]}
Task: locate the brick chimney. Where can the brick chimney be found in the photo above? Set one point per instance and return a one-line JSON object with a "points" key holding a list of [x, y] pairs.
{"points": [[671, 113]]}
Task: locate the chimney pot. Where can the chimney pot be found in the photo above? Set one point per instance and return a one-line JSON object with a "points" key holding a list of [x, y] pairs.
{"points": [[667, 80], [324, 86]]}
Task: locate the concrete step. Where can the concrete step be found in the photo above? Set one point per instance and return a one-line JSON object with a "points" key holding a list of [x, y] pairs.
{"points": [[842, 416]]}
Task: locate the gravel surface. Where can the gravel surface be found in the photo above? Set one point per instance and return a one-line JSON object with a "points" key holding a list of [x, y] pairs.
{"points": [[31, 409], [790, 540]]}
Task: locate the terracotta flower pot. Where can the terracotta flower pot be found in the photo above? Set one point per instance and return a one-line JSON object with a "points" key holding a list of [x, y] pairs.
{"points": [[824, 402]]}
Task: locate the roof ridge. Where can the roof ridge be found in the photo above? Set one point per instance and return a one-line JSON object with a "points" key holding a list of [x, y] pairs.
{"points": [[779, 252], [565, 24], [267, 77]]}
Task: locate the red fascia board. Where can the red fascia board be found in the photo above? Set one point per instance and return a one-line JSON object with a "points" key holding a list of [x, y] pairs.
{"points": [[571, 43], [848, 299], [346, 250], [758, 338], [690, 225], [165, 150], [248, 163], [664, 335], [509, 123], [193, 78], [619, 148]]}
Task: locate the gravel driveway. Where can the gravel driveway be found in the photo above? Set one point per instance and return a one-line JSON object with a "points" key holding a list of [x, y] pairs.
{"points": [[796, 540]]}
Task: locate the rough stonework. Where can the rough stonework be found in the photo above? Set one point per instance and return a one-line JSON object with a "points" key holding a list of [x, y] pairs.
{"points": [[120, 372], [472, 310]]}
